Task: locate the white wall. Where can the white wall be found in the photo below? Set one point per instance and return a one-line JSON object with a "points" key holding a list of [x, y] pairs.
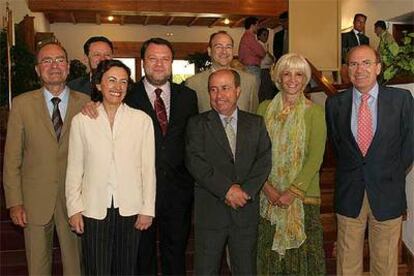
{"points": [[19, 9], [374, 10], [74, 36]]}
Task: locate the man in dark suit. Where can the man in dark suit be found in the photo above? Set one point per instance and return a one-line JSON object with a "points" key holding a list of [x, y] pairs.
{"points": [[281, 38], [228, 152], [371, 130], [96, 49], [354, 37], [174, 184]]}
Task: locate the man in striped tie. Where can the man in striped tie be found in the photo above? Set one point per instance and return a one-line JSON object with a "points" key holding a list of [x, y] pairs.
{"points": [[371, 130], [35, 163]]}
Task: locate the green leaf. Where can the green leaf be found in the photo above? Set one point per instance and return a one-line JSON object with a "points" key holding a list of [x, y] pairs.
{"points": [[410, 34], [389, 73], [394, 48]]}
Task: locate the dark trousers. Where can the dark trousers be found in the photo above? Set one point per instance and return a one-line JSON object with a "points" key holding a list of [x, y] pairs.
{"points": [[210, 244], [110, 246], [172, 222]]}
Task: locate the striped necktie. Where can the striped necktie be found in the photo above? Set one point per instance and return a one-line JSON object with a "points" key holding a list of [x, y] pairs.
{"points": [[56, 118]]}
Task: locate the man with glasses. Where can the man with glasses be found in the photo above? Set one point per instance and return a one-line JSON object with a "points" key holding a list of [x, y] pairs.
{"points": [[371, 130], [220, 50], [35, 163], [96, 49]]}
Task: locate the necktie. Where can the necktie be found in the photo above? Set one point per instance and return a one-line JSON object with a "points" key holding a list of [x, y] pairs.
{"points": [[56, 118], [231, 134], [359, 35], [160, 111], [364, 125]]}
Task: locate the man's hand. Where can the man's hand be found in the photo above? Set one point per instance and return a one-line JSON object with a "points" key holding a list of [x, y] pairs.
{"points": [[271, 193], [236, 197], [143, 222], [76, 223], [285, 199], [18, 215], [90, 109]]}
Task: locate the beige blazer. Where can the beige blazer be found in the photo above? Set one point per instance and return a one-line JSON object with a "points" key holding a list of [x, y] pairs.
{"points": [[34, 162], [248, 100], [92, 146]]}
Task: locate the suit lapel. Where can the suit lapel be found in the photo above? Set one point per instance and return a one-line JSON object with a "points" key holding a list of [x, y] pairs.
{"points": [[382, 106], [42, 110], [173, 105], [216, 128], [346, 121], [241, 138], [73, 102], [146, 106]]}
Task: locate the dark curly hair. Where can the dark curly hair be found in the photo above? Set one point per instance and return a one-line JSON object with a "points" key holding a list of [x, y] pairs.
{"points": [[102, 68]]}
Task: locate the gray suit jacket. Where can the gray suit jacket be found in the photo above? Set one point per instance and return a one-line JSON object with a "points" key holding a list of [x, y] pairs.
{"points": [[381, 173], [249, 97], [210, 161]]}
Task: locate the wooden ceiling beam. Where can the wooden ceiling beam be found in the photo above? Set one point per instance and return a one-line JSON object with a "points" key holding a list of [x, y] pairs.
{"points": [[238, 22], [237, 7], [215, 22], [98, 18], [191, 23], [122, 20], [169, 21], [147, 18], [73, 18]]}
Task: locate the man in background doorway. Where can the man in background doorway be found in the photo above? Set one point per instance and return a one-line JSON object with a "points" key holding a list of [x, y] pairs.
{"points": [[267, 88], [281, 38]]}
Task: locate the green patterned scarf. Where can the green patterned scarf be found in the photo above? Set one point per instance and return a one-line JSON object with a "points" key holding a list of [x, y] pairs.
{"points": [[286, 127]]}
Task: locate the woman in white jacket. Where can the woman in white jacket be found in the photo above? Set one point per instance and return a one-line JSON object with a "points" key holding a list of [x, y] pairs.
{"points": [[110, 180]]}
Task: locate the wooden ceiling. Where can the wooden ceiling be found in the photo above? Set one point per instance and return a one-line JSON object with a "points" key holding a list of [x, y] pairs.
{"points": [[161, 12]]}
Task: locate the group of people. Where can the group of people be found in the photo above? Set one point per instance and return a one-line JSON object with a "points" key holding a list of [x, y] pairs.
{"points": [[115, 166]]}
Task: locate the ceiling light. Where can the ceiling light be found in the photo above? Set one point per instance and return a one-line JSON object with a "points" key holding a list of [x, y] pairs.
{"points": [[110, 18], [226, 21]]}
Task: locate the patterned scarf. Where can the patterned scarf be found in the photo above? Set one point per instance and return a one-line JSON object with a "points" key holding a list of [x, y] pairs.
{"points": [[286, 127]]}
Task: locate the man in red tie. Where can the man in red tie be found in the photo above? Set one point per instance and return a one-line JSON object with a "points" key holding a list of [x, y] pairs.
{"points": [[371, 130]]}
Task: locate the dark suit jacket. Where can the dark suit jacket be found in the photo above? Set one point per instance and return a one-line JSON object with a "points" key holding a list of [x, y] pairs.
{"points": [[381, 173], [278, 44], [210, 161], [81, 84], [172, 176], [349, 40]]}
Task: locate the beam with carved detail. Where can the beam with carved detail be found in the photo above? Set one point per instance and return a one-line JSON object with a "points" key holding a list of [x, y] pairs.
{"points": [[238, 7], [215, 22], [73, 18], [191, 23], [122, 20], [238, 22], [147, 18], [98, 18], [169, 21]]}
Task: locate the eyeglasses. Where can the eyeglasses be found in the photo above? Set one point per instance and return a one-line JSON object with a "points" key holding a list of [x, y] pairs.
{"points": [[364, 64], [49, 61]]}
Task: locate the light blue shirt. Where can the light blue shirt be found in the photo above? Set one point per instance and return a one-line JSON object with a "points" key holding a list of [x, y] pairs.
{"points": [[372, 104], [233, 122], [63, 105]]}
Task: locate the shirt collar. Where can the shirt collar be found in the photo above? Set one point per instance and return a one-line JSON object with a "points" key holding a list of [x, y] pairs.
{"points": [[62, 96], [234, 115], [150, 88], [356, 32], [373, 93]]}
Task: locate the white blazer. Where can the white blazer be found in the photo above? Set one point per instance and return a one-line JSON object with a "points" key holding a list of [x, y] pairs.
{"points": [[92, 145]]}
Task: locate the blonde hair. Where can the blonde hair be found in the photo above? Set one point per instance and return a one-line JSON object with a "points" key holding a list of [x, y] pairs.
{"points": [[290, 62]]}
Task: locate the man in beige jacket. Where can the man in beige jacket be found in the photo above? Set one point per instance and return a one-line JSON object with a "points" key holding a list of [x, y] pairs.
{"points": [[35, 163], [220, 50]]}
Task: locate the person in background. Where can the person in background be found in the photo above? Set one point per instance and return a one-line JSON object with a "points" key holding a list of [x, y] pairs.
{"points": [[251, 52], [290, 232], [371, 129], [220, 50], [267, 88], [35, 159], [110, 180], [228, 152], [354, 37], [386, 39], [281, 37], [96, 49]]}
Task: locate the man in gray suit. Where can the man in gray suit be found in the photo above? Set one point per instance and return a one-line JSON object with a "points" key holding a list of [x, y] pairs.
{"points": [[228, 152], [220, 50]]}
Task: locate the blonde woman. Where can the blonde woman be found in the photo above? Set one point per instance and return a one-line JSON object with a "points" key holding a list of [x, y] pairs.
{"points": [[290, 233]]}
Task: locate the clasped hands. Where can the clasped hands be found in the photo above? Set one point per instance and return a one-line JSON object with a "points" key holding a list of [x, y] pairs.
{"points": [[276, 198], [236, 197]]}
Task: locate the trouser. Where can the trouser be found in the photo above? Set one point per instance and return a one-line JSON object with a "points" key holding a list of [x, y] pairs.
{"points": [[383, 237], [110, 246]]}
